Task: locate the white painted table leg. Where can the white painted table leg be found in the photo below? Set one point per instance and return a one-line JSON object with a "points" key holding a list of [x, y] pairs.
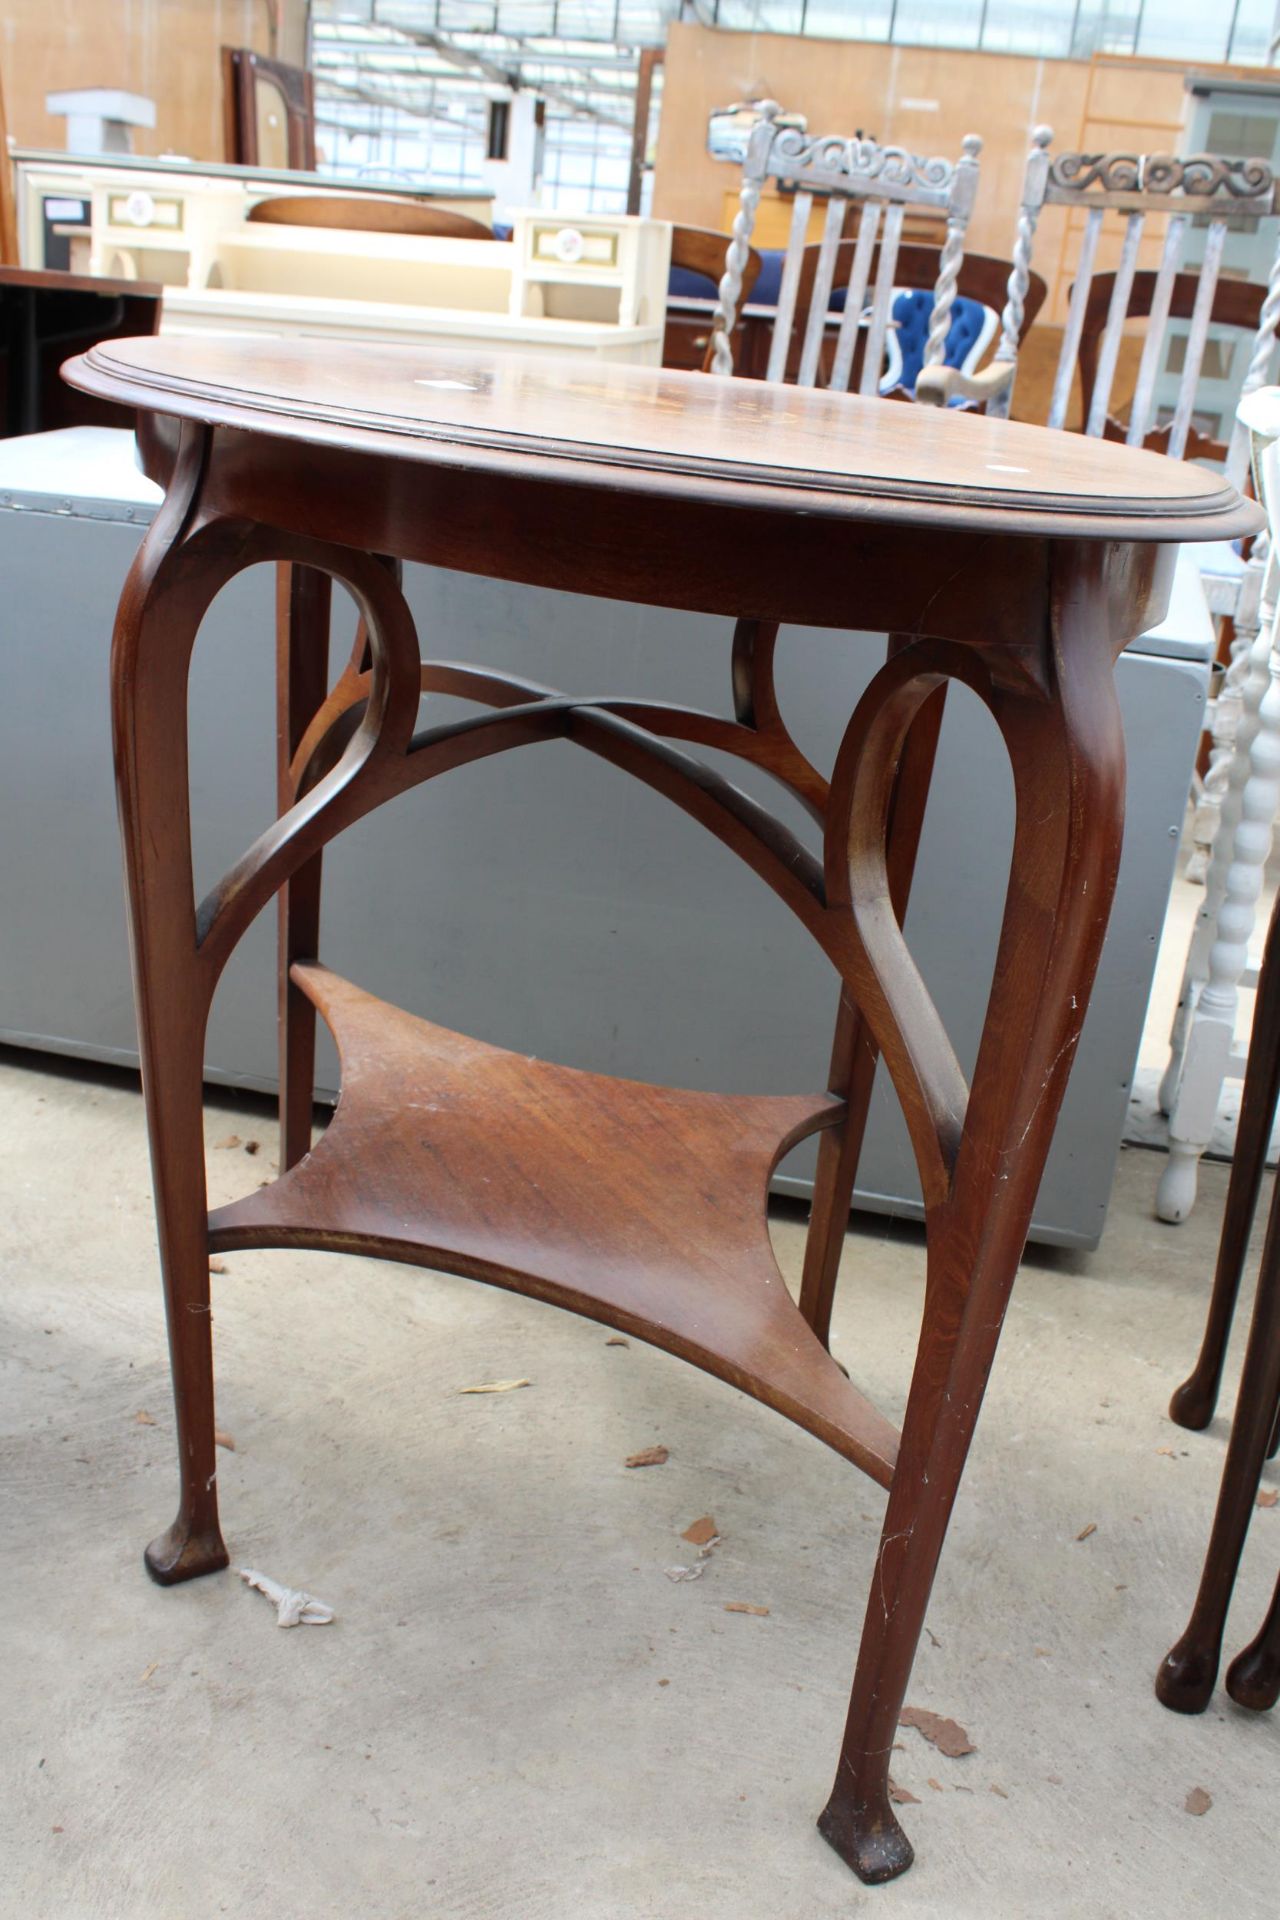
{"points": [[1211, 1031]]}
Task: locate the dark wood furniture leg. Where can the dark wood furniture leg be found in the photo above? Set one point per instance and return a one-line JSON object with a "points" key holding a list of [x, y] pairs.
{"points": [[303, 599], [1067, 750], [155, 631], [1187, 1675], [1253, 1678], [1194, 1401], [1189, 1672]]}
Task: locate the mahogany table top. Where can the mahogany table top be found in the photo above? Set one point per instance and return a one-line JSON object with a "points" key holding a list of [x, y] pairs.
{"points": [[692, 435]]}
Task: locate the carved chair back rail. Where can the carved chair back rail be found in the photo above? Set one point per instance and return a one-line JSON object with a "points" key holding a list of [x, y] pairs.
{"points": [[1203, 186], [1141, 187], [885, 182]]}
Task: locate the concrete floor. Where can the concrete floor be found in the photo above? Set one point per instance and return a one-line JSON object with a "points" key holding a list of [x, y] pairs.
{"points": [[517, 1714]]}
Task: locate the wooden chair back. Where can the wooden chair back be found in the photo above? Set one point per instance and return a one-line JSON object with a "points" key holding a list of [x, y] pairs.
{"points": [[387, 213], [1236, 303], [883, 182], [268, 112], [1201, 188], [701, 250]]}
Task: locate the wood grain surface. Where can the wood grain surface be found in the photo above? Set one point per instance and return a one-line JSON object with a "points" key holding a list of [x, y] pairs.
{"points": [[424, 403]]}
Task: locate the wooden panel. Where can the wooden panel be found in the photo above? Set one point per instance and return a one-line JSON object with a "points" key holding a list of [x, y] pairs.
{"points": [[166, 50], [8, 208], [1158, 100]]}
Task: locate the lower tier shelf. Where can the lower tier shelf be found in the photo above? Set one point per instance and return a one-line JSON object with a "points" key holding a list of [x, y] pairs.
{"points": [[643, 1207]]}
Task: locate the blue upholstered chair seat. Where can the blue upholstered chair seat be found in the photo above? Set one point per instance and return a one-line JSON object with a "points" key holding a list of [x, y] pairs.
{"points": [[972, 324]]}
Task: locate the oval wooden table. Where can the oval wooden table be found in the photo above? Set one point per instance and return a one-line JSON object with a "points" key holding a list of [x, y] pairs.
{"points": [[1016, 561]]}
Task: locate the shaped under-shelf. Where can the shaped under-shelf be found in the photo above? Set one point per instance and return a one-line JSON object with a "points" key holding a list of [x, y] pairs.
{"points": [[641, 1206]]}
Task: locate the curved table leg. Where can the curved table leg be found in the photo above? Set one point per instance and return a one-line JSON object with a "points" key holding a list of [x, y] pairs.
{"points": [[1194, 1401], [1066, 745], [178, 947], [155, 631]]}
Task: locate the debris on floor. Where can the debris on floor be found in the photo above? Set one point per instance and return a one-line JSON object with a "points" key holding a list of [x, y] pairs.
{"points": [[294, 1608], [948, 1736], [497, 1386], [686, 1573], [647, 1457], [744, 1606], [702, 1533], [1198, 1801]]}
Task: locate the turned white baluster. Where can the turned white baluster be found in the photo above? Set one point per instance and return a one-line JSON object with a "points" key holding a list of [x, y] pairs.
{"points": [[1252, 683], [1223, 728], [1212, 1029], [1229, 746]]}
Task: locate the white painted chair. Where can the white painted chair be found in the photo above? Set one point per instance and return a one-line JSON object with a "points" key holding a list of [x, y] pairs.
{"points": [[1212, 188], [884, 182], [1233, 838]]}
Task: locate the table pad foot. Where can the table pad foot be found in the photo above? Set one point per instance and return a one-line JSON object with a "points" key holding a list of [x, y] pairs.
{"points": [[868, 1839], [179, 1554]]}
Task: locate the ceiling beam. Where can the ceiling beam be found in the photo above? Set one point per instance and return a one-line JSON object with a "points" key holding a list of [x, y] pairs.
{"points": [[510, 79]]}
